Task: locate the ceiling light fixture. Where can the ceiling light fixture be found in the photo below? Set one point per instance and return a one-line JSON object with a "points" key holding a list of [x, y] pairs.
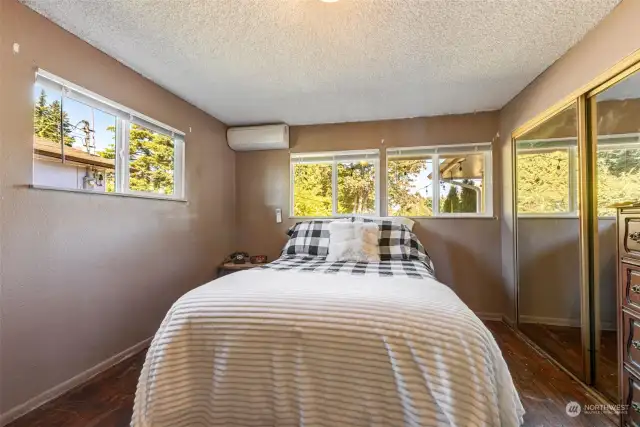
{"points": [[328, 1]]}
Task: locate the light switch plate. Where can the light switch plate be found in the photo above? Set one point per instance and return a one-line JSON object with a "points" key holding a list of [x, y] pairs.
{"points": [[278, 215]]}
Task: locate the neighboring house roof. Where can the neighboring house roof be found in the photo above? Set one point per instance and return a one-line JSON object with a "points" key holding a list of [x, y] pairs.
{"points": [[46, 147], [469, 167]]}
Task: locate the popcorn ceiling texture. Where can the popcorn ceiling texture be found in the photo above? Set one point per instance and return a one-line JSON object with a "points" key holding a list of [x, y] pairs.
{"points": [[305, 61]]}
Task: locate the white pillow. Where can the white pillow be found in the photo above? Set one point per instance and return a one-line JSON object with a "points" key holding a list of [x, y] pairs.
{"points": [[353, 241], [399, 220]]}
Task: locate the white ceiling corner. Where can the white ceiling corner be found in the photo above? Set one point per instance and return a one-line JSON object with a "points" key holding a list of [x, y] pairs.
{"points": [[305, 61]]}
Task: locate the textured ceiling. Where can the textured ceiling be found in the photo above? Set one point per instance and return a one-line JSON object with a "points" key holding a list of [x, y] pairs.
{"points": [[305, 61]]}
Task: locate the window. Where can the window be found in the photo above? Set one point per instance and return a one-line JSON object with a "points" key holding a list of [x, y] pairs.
{"points": [[151, 160], [334, 184], [548, 174], [463, 177], [80, 141]]}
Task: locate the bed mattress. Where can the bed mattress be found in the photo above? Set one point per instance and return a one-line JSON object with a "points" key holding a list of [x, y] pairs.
{"points": [[324, 346]]}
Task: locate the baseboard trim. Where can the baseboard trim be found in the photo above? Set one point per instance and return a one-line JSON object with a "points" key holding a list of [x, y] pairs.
{"points": [[552, 321], [555, 321], [54, 392], [489, 316]]}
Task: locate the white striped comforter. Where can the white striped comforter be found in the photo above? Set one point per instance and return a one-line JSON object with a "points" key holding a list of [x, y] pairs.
{"points": [[279, 348]]}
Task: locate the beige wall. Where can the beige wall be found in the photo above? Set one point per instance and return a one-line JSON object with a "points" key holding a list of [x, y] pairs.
{"points": [[85, 277], [616, 37], [466, 252]]}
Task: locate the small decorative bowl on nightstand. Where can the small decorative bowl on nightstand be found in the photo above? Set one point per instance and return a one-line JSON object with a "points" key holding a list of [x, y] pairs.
{"points": [[229, 267]]}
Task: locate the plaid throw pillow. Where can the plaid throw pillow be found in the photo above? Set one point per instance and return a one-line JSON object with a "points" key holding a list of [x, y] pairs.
{"points": [[398, 242], [308, 238]]}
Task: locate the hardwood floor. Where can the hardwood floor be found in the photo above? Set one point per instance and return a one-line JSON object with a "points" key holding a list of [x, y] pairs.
{"points": [[544, 388], [565, 345], [107, 400]]}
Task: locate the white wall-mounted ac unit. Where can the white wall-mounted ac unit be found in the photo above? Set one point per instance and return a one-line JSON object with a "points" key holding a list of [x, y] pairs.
{"points": [[267, 137]]}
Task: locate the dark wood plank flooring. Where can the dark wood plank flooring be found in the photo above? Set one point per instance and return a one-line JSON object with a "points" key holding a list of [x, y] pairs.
{"points": [[544, 388], [107, 400], [564, 343]]}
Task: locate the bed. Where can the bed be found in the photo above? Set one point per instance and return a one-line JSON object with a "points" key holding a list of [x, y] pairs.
{"points": [[308, 342]]}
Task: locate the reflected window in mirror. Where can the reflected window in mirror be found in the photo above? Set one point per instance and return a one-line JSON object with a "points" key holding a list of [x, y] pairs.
{"points": [[618, 149], [547, 167]]}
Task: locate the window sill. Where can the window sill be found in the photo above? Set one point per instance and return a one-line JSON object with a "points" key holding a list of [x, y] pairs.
{"points": [[330, 217], [135, 196], [550, 216], [410, 217], [453, 217]]}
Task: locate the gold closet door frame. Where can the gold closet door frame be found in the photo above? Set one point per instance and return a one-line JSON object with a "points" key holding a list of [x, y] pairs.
{"points": [[588, 240]]}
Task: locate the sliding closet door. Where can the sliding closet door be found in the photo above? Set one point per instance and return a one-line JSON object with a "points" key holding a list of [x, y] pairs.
{"points": [[550, 290], [615, 126]]}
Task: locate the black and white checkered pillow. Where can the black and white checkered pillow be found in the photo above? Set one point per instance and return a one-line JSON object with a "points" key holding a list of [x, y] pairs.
{"points": [[308, 238], [398, 242]]}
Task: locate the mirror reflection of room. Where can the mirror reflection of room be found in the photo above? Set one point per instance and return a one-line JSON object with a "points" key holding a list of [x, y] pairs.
{"points": [[552, 311], [548, 238], [618, 180]]}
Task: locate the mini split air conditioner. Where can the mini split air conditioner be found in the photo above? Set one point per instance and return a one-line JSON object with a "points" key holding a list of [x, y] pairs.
{"points": [[267, 137]]}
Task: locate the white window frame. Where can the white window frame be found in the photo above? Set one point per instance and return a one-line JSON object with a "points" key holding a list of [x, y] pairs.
{"points": [[334, 158], [434, 153], [124, 118], [615, 142]]}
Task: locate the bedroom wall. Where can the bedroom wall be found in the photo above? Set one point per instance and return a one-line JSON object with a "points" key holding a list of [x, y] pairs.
{"points": [[85, 277], [466, 251], [616, 37]]}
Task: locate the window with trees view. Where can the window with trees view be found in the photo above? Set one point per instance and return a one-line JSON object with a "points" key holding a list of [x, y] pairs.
{"points": [[334, 184], [80, 141], [547, 174], [463, 178]]}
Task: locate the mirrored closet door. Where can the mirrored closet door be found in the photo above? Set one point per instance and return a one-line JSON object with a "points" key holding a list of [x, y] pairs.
{"points": [[570, 169], [549, 262], [615, 125]]}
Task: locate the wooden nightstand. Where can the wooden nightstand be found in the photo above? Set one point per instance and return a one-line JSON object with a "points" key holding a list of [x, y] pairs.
{"points": [[229, 267]]}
